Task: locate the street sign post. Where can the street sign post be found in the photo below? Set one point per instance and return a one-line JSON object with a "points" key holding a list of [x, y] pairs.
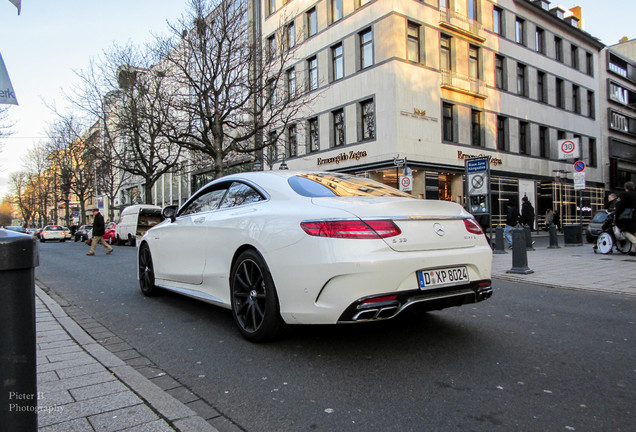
{"points": [[477, 187]]}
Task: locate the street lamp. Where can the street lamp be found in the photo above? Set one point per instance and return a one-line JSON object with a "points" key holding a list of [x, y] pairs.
{"points": [[257, 166], [283, 166]]}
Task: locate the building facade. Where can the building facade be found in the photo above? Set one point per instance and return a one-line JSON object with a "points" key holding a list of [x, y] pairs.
{"points": [[618, 112], [436, 82]]}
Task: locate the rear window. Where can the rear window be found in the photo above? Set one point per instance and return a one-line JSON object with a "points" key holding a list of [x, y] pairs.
{"points": [[340, 185]]}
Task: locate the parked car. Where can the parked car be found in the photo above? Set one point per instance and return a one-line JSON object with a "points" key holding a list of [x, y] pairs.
{"points": [[110, 234], [67, 232], [32, 232], [15, 228], [596, 226], [52, 232], [82, 233], [282, 247], [135, 221]]}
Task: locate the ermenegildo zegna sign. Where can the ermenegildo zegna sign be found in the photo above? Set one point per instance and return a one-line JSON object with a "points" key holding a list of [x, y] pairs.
{"points": [[357, 155]]}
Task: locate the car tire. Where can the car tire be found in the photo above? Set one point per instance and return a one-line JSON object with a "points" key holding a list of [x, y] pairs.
{"points": [[119, 241], [75, 239], [146, 271], [254, 300], [110, 241]]}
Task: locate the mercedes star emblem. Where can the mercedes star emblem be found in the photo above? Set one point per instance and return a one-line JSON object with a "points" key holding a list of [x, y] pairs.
{"points": [[439, 230]]}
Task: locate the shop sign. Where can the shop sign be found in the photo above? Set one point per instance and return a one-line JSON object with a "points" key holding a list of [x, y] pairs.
{"points": [[342, 157], [493, 161]]}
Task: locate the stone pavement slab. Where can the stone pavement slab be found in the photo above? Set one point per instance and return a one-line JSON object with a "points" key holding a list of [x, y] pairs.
{"points": [[573, 267], [84, 387]]}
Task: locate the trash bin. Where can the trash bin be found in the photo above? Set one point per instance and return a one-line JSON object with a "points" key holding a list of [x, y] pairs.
{"points": [[572, 235], [18, 374]]}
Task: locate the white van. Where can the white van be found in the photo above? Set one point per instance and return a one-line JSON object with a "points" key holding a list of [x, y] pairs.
{"points": [[135, 221]]}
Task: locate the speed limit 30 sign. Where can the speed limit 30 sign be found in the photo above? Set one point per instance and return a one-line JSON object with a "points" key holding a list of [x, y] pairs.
{"points": [[569, 148]]}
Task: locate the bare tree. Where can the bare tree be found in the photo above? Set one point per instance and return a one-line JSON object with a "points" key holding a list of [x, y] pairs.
{"points": [[24, 197], [127, 94], [5, 125], [230, 91], [42, 181]]}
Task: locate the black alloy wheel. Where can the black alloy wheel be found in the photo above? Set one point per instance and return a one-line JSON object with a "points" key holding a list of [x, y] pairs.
{"points": [[146, 271], [255, 305]]}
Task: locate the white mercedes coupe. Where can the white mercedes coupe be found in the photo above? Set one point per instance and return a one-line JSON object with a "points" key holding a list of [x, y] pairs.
{"points": [[285, 247]]}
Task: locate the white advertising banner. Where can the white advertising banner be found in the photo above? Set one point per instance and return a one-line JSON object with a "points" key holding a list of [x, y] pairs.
{"points": [[7, 95]]}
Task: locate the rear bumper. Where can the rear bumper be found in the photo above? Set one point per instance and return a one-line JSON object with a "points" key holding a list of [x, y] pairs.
{"points": [[367, 309]]}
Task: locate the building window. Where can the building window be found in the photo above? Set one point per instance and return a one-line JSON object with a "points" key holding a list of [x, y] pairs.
{"points": [[521, 80], [413, 42], [291, 35], [313, 136], [591, 112], [540, 40], [367, 118], [443, 4], [619, 122], [574, 56], [335, 10], [560, 135], [291, 83], [589, 64], [312, 22], [544, 142], [473, 12], [560, 93], [576, 101], [558, 49], [500, 72], [475, 128], [312, 73], [448, 122], [366, 48], [473, 62], [360, 3], [271, 7], [337, 62], [617, 65], [271, 47], [338, 127], [272, 147], [502, 133], [592, 152], [541, 87], [273, 92], [520, 32], [524, 147], [292, 143], [498, 21], [445, 53]]}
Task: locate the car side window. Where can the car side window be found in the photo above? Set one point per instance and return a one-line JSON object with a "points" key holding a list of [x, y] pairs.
{"points": [[208, 201], [240, 194]]}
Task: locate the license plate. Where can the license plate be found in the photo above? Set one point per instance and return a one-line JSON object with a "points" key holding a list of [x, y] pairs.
{"points": [[441, 277]]}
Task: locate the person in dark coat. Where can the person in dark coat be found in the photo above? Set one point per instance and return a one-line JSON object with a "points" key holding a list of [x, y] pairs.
{"points": [[99, 228], [512, 220], [627, 200], [527, 213]]}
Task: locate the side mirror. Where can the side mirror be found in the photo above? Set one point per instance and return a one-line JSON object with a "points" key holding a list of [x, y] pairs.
{"points": [[169, 212]]}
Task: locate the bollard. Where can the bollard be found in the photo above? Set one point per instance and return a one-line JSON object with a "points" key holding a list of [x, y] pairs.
{"points": [[18, 374], [519, 253], [554, 240], [528, 235], [499, 241]]}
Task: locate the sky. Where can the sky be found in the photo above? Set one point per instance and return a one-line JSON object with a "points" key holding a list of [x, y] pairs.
{"points": [[50, 40]]}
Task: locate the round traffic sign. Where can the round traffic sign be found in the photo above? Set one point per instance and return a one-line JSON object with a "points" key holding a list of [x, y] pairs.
{"points": [[406, 181], [567, 147], [579, 166]]}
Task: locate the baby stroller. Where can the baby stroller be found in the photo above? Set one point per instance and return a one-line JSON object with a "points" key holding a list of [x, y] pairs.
{"points": [[612, 237]]}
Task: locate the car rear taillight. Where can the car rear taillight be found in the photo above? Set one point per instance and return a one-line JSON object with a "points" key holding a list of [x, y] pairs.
{"points": [[370, 229], [472, 226]]}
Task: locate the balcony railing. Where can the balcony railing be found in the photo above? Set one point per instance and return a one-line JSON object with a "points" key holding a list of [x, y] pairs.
{"points": [[461, 24], [463, 84]]}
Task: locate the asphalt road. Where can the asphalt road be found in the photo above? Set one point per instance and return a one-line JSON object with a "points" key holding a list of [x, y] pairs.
{"points": [[528, 359]]}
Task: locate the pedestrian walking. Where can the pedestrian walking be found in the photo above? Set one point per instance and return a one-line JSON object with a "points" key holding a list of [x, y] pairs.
{"points": [[99, 228], [512, 221], [549, 219], [557, 220], [527, 213], [626, 212]]}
